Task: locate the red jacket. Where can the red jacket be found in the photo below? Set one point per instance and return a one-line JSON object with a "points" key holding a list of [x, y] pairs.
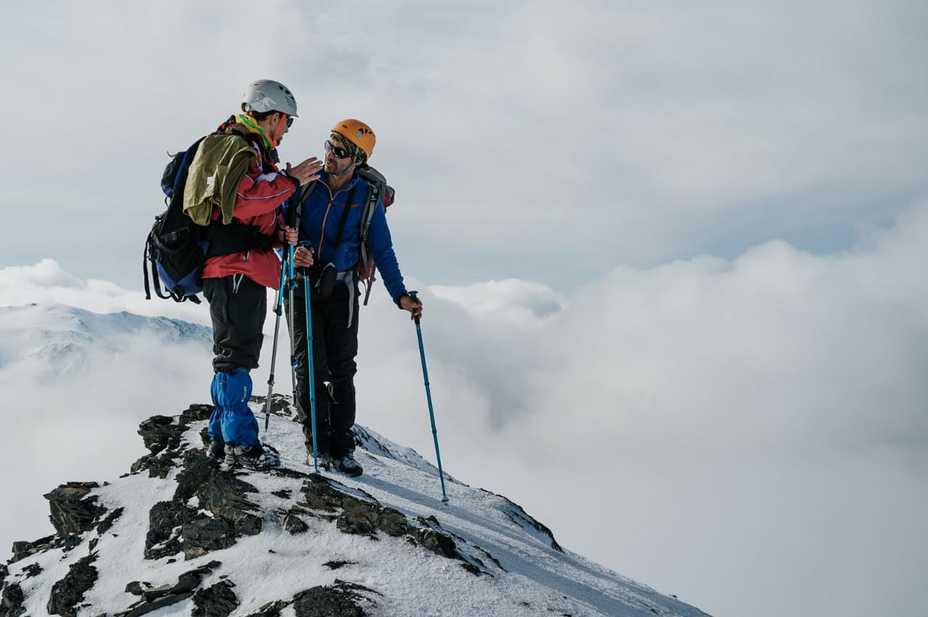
{"points": [[262, 189]]}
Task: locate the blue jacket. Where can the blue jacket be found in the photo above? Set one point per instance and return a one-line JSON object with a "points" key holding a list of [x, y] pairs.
{"points": [[322, 207]]}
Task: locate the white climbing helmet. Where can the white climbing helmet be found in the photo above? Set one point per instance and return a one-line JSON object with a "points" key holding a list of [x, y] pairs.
{"points": [[268, 95]]}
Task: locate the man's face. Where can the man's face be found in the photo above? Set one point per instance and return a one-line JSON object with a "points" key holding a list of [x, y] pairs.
{"points": [[338, 159], [284, 123]]}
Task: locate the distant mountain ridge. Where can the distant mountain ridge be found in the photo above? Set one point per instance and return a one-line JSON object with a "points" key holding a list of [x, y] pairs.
{"points": [[61, 337]]}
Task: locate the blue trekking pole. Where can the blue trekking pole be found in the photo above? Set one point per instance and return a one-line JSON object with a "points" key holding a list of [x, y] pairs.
{"points": [[294, 365], [291, 283], [307, 291], [293, 220], [428, 397]]}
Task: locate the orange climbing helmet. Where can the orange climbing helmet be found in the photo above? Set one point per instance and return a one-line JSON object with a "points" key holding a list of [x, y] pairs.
{"points": [[358, 134]]}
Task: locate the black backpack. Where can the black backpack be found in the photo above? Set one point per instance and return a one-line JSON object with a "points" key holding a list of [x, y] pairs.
{"points": [[177, 248]]}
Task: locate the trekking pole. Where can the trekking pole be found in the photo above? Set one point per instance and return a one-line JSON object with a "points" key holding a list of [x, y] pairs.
{"points": [[428, 397], [278, 310], [307, 291], [291, 283], [293, 219]]}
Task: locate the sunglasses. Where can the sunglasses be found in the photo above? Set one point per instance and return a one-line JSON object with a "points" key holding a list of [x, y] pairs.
{"points": [[336, 150], [289, 121]]}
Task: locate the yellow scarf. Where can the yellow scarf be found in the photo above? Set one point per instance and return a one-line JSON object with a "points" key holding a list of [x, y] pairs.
{"points": [[249, 123]]}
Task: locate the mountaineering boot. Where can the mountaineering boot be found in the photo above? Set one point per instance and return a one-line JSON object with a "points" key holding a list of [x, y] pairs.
{"points": [[325, 460], [260, 457], [348, 466], [216, 449]]}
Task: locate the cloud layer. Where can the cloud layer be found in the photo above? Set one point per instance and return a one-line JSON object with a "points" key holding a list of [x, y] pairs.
{"points": [[758, 421], [745, 427]]}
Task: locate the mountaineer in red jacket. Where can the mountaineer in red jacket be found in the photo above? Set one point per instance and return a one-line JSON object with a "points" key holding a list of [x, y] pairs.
{"points": [[235, 284]]}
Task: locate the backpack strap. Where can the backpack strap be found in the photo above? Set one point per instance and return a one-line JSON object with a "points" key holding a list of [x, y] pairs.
{"points": [[305, 192], [373, 196], [343, 219]]}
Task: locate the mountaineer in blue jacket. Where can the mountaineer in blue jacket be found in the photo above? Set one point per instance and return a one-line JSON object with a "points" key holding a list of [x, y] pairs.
{"points": [[331, 227]]}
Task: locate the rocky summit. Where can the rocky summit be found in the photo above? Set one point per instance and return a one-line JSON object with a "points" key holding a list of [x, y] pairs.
{"points": [[181, 534]]}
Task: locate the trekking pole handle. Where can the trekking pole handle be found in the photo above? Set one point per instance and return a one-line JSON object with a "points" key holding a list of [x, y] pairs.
{"points": [[415, 296]]}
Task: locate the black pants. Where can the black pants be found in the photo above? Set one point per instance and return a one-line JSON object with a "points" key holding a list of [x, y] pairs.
{"points": [[237, 306], [335, 345]]}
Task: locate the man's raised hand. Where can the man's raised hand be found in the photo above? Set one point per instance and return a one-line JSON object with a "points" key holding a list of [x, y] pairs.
{"points": [[307, 171]]}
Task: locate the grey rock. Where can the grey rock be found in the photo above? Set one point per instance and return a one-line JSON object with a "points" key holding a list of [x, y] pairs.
{"points": [[205, 534], [161, 432], [155, 598], [149, 606], [437, 542], [319, 494], [165, 521], [196, 413], [357, 518], [135, 588], [335, 565], [11, 601], [224, 495], [69, 543], [432, 537], [286, 472], [520, 517], [393, 522], [107, 523], [327, 602], [197, 469], [158, 465], [174, 526], [69, 591], [72, 511], [216, 601], [162, 436], [204, 436], [23, 549], [294, 524], [362, 517]]}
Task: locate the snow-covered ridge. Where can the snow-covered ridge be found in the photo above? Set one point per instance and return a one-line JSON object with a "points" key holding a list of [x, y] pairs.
{"points": [[60, 337], [181, 535]]}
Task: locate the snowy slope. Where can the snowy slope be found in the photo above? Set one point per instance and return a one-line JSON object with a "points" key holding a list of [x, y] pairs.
{"points": [[382, 544], [59, 338]]}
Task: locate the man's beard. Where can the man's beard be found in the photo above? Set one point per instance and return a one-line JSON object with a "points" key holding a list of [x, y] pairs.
{"points": [[337, 170]]}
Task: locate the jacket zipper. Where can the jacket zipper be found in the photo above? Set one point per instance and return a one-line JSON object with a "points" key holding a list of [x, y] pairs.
{"points": [[326, 216]]}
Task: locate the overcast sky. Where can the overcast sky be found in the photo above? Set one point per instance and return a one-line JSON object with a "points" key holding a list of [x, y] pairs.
{"points": [[673, 256]]}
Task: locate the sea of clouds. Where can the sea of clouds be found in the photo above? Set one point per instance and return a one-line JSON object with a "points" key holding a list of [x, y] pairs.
{"points": [[743, 433]]}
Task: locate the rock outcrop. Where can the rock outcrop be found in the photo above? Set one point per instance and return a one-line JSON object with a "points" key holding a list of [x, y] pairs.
{"points": [[182, 530]]}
